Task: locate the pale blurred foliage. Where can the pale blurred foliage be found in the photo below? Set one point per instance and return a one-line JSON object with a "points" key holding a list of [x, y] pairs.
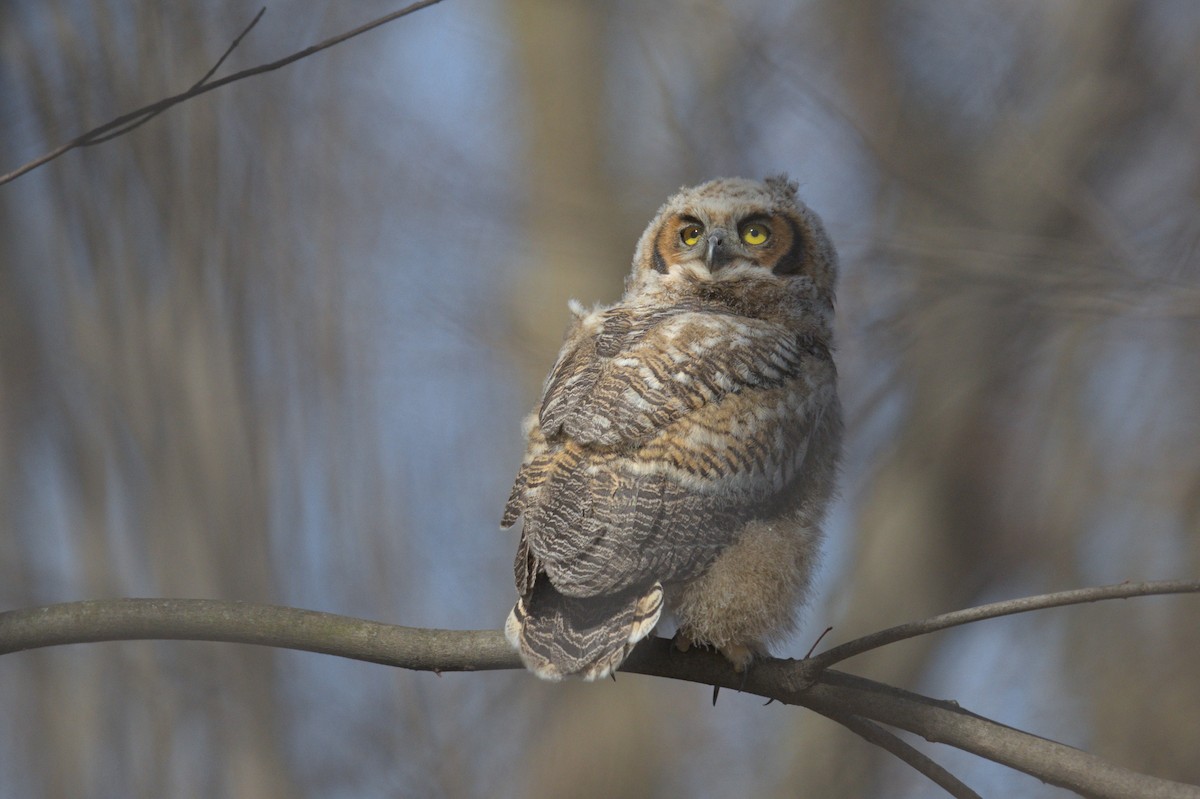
{"points": [[275, 345]]}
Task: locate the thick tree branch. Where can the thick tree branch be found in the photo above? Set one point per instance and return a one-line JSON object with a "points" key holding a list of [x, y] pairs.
{"points": [[793, 682], [414, 648], [127, 122], [946, 722], [830, 692]]}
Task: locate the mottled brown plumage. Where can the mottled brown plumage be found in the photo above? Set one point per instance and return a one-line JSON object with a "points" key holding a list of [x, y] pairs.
{"points": [[686, 443]]}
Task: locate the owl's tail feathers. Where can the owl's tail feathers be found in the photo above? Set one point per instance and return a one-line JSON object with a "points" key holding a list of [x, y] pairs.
{"points": [[561, 636]]}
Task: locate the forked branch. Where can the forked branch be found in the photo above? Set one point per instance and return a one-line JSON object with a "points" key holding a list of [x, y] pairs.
{"points": [[858, 703], [873, 733]]}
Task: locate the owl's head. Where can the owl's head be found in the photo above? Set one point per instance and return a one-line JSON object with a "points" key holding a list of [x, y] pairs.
{"points": [[733, 230]]}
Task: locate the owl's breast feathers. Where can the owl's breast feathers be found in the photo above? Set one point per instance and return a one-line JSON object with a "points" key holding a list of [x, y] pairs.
{"points": [[660, 434]]}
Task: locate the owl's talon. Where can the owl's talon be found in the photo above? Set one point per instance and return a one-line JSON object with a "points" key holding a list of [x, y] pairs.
{"points": [[682, 642]]}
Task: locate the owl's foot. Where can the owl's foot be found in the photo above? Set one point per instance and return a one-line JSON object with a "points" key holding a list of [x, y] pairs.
{"points": [[740, 656]]}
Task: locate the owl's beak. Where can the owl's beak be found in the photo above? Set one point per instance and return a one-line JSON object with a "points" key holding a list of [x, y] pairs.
{"points": [[719, 252]]}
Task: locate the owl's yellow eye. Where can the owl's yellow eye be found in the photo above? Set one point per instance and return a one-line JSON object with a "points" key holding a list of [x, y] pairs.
{"points": [[690, 234], [755, 233]]}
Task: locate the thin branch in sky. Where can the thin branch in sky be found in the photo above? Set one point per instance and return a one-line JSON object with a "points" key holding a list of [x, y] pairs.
{"points": [[127, 122], [212, 70]]}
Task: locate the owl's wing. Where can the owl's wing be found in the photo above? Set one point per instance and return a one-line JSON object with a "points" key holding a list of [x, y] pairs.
{"points": [[642, 372], [654, 443], [582, 368]]}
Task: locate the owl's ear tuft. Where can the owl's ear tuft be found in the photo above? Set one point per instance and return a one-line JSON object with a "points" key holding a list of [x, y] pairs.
{"points": [[783, 191]]}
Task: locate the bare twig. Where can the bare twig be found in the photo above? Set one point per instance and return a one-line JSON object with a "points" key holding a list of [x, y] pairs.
{"points": [[996, 609], [233, 46], [873, 733], [152, 114], [133, 119]]}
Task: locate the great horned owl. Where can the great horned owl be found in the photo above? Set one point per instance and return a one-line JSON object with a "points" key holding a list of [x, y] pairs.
{"points": [[685, 446]]}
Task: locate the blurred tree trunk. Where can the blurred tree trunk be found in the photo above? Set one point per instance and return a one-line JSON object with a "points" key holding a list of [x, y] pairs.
{"points": [[571, 238], [131, 402]]}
